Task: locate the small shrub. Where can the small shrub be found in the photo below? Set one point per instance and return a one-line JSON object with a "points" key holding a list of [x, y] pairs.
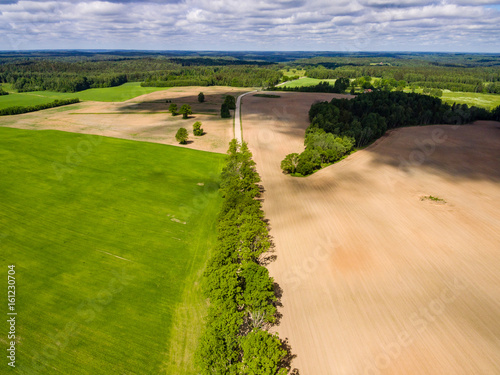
{"points": [[197, 130], [173, 109], [182, 136]]}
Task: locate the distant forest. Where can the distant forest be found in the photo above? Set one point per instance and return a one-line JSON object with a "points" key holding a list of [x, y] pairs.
{"points": [[72, 71]]}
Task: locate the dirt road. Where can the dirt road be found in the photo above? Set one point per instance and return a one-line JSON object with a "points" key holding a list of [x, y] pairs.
{"points": [[376, 278], [237, 118]]}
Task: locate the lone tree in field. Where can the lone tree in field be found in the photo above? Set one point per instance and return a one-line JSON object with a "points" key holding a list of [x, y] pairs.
{"points": [[201, 97], [224, 111], [182, 136], [230, 101], [197, 130], [185, 111], [173, 109]]}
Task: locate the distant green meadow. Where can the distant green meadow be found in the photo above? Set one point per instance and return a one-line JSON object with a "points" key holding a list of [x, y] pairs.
{"points": [[307, 82], [109, 238], [110, 94], [488, 101]]}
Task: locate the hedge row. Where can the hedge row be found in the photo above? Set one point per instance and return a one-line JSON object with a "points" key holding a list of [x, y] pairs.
{"points": [[18, 110], [241, 292]]}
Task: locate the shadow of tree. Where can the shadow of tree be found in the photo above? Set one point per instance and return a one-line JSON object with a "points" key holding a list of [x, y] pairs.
{"points": [[287, 361]]}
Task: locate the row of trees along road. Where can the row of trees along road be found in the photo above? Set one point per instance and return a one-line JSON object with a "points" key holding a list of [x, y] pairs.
{"points": [[339, 125], [242, 307]]}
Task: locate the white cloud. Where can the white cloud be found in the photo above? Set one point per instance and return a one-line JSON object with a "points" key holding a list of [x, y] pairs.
{"points": [[234, 24]]}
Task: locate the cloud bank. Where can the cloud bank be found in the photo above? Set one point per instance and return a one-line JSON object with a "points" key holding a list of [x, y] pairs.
{"points": [[281, 25]]}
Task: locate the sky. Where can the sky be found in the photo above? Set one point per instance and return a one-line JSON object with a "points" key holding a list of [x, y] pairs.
{"points": [[257, 25]]}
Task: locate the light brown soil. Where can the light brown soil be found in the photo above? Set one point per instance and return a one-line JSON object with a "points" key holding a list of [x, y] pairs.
{"points": [[375, 279], [144, 118]]}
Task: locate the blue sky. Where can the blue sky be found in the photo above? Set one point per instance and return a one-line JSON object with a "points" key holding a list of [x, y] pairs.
{"points": [[278, 25]]}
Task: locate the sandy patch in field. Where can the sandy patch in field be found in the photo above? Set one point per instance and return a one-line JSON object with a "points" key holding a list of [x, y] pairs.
{"points": [[144, 118], [376, 280]]}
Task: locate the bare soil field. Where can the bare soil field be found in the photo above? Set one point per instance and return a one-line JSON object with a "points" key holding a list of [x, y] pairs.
{"points": [[144, 118], [378, 277]]}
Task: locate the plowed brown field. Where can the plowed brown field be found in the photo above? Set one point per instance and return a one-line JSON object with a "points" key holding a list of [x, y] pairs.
{"points": [[376, 278], [144, 118]]}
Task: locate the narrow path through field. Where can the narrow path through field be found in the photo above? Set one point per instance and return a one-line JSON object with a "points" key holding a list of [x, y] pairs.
{"points": [[237, 117]]}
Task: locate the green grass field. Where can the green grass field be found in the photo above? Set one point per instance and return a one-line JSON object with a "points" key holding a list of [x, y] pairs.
{"points": [[109, 238], [111, 94], [488, 101], [294, 72], [307, 82]]}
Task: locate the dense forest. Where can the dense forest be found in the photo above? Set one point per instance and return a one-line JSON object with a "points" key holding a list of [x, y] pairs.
{"points": [[242, 295], [72, 71], [413, 73], [339, 125], [486, 80], [73, 74]]}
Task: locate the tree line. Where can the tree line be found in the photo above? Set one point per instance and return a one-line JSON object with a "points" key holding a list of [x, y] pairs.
{"points": [[339, 125], [77, 74], [236, 339], [470, 79], [17, 110], [236, 76]]}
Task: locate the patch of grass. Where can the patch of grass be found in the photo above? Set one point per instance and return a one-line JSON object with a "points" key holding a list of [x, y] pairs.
{"points": [[432, 198], [106, 270], [308, 82], [30, 99], [119, 93], [110, 94], [293, 72], [488, 101], [267, 96]]}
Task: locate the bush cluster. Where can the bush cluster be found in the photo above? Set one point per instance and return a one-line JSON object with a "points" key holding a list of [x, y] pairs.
{"points": [[322, 149], [18, 110], [241, 292], [197, 130]]}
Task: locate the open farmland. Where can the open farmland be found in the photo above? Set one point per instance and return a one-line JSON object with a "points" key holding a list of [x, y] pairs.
{"points": [[109, 238], [378, 277], [110, 94], [143, 118]]}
